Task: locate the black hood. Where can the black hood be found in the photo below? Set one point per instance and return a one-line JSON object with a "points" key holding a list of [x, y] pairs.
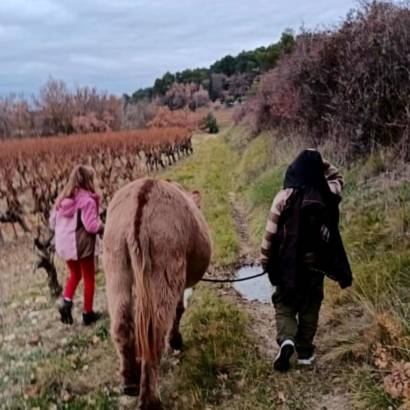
{"points": [[307, 171]]}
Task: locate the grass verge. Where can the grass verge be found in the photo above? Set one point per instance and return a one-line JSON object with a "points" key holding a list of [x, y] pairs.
{"points": [[209, 170], [219, 360], [375, 222]]}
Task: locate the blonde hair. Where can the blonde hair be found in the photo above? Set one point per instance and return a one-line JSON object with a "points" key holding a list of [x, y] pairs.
{"points": [[81, 177]]}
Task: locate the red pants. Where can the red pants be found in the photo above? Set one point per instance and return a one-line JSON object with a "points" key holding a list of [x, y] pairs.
{"points": [[84, 268]]}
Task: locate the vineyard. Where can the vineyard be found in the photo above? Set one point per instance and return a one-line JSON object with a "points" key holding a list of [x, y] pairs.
{"points": [[33, 172]]}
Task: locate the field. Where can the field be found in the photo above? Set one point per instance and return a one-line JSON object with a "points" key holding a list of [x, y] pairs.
{"points": [[363, 339]]}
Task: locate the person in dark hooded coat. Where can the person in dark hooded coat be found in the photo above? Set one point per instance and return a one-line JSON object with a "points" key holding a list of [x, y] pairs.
{"points": [[301, 245]]}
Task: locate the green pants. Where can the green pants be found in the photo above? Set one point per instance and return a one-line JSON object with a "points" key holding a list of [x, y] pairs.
{"points": [[297, 315]]}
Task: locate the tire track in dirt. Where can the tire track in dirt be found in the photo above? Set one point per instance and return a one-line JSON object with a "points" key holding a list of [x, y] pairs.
{"points": [[238, 214]]}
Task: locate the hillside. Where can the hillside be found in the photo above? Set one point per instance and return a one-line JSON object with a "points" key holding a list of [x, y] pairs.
{"points": [[227, 79]]}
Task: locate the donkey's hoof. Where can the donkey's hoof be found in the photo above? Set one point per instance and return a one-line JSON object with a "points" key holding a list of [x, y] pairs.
{"points": [[152, 405], [176, 342], [130, 390]]}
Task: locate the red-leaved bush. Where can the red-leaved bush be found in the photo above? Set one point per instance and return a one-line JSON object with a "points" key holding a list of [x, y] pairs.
{"points": [[351, 84], [165, 117]]}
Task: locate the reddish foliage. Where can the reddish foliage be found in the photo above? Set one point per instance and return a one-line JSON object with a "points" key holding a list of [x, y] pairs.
{"points": [[178, 118], [34, 170], [59, 110], [180, 96], [350, 84]]}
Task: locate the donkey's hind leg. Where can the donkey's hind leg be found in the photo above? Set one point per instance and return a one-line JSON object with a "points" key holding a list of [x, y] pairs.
{"points": [[149, 397], [121, 307], [150, 400], [124, 337], [175, 339]]}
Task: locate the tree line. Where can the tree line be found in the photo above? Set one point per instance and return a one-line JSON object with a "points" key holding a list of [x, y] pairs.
{"points": [[226, 80]]}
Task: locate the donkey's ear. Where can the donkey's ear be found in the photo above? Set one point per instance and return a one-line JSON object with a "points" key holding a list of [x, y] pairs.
{"points": [[197, 198]]}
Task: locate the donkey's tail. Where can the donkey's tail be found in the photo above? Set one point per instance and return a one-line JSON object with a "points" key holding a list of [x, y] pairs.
{"points": [[157, 292]]}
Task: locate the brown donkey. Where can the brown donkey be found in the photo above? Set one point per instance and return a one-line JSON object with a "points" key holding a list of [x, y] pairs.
{"points": [[156, 244]]}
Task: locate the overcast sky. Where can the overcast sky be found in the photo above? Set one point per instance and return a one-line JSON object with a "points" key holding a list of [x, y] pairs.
{"points": [[122, 45]]}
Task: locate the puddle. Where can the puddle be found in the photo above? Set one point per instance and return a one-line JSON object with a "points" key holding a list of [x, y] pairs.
{"points": [[254, 289]]}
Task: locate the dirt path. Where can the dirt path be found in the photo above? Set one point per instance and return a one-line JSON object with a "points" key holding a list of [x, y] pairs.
{"points": [[263, 318], [246, 256]]}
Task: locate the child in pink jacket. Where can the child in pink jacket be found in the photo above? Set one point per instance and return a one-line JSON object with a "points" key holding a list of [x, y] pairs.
{"points": [[75, 220]]}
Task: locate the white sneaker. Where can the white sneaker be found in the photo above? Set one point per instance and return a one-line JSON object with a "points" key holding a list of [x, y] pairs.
{"points": [[307, 362], [286, 351]]}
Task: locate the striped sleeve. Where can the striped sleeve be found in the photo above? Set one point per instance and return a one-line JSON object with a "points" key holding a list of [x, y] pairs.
{"points": [[334, 178], [272, 224]]}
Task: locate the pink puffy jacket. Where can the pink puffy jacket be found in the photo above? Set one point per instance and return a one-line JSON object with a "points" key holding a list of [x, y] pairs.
{"points": [[76, 224]]}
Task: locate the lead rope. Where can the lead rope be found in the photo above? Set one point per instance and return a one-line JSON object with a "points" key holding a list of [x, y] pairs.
{"points": [[218, 280]]}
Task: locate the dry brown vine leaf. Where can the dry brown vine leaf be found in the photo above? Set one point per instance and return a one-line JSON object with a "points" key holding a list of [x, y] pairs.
{"points": [[397, 384], [382, 357]]}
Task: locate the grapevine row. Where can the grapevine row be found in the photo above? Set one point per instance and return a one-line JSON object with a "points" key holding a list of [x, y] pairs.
{"points": [[33, 171]]}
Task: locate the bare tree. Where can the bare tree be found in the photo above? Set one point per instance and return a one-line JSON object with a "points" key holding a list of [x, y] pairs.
{"points": [[55, 105]]}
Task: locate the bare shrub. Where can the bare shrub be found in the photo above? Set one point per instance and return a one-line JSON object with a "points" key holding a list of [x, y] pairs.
{"points": [[349, 84], [177, 118], [59, 110], [137, 115]]}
